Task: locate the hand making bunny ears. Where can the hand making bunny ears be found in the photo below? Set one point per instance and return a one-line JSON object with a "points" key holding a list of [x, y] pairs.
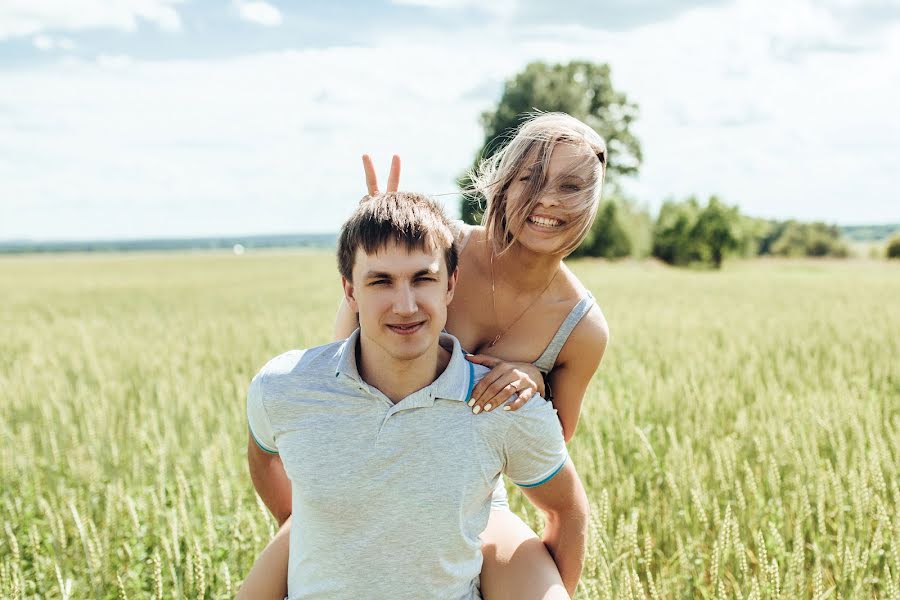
{"points": [[372, 179]]}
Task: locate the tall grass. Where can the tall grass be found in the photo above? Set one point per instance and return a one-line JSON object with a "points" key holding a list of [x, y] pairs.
{"points": [[741, 439]]}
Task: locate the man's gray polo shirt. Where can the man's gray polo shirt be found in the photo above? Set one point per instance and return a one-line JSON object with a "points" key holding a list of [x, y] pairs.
{"points": [[389, 499]]}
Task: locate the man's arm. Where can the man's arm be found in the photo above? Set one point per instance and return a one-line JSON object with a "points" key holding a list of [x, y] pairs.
{"points": [[270, 480], [565, 505]]}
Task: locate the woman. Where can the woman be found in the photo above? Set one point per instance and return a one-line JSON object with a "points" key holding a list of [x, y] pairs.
{"points": [[540, 331]]}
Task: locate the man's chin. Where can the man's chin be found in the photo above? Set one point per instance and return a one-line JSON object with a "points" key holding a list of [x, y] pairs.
{"points": [[407, 354]]}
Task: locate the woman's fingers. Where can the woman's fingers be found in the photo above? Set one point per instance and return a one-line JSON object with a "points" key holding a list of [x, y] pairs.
{"points": [[371, 177], [506, 394], [394, 177], [503, 382], [488, 379], [520, 400], [501, 390], [483, 359]]}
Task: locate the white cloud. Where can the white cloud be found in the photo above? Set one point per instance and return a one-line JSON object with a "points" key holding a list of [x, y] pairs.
{"points": [[28, 17], [47, 43], [114, 61], [261, 13], [257, 144], [502, 8], [271, 142], [43, 42]]}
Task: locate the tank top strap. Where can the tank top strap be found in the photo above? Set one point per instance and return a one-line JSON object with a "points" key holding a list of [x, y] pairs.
{"points": [[464, 232], [548, 358]]}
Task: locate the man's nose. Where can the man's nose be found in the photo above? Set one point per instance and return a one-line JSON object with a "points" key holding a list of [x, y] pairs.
{"points": [[405, 301]]}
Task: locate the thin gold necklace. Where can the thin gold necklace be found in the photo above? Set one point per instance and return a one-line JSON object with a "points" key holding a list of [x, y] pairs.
{"points": [[521, 314]]}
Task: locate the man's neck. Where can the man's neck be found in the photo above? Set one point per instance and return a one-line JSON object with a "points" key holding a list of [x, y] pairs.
{"points": [[395, 378]]}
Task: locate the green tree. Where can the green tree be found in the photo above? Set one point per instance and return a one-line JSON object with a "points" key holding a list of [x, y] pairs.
{"points": [[893, 247], [579, 88], [755, 236], [637, 223], [716, 230], [687, 233], [672, 239], [607, 237], [807, 239]]}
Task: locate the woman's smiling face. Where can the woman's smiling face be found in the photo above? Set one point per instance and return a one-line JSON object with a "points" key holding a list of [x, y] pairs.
{"points": [[559, 197]]}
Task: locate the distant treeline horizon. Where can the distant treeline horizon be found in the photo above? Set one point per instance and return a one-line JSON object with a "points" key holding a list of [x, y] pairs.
{"points": [[851, 233], [228, 242]]}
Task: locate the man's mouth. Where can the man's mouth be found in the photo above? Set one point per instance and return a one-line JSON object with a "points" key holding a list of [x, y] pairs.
{"points": [[406, 328]]}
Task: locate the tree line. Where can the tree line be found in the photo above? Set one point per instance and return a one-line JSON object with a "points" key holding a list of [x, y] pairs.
{"points": [[684, 232]]}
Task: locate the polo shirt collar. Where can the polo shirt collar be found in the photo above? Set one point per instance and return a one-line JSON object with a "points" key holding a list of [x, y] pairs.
{"points": [[455, 383]]}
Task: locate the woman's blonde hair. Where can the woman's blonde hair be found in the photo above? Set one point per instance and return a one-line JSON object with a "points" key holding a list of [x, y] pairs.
{"points": [[531, 148]]}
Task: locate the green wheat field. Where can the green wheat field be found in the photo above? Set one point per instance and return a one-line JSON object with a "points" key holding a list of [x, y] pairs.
{"points": [[740, 440]]}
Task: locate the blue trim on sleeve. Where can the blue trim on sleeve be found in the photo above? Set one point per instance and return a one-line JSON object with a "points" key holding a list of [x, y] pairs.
{"points": [[547, 478], [471, 380], [261, 446]]}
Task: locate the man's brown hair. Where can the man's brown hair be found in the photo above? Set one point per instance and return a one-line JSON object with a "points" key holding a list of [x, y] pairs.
{"points": [[411, 220]]}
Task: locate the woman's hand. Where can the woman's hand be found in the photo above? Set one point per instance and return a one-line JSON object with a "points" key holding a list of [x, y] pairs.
{"points": [[504, 380], [372, 178]]}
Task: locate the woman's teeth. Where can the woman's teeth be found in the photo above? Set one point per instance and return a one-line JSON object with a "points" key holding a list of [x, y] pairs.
{"points": [[545, 222]]}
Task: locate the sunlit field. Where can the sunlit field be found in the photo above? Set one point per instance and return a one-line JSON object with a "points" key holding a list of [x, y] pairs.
{"points": [[741, 439]]}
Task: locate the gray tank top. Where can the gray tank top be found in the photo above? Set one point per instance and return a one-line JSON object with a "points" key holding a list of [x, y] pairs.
{"points": [[545, 362]]}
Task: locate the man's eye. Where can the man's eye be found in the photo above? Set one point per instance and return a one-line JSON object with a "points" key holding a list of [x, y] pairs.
{"points": [[425, 279], [379, 282]]}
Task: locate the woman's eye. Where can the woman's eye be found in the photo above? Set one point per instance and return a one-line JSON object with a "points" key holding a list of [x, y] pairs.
{"points": [[571, 187], [525, 178]]}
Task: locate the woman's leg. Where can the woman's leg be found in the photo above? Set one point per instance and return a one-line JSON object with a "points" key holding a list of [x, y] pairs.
{"points": [[267, 579], [517, 565]]}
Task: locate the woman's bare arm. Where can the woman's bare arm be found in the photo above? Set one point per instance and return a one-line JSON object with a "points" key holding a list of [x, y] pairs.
{"points": [[575, 367], [345, 322]]}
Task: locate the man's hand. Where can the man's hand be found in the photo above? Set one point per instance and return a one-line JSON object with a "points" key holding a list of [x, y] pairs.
{"points": [[504, 380], [372, 178], [270, 480]]}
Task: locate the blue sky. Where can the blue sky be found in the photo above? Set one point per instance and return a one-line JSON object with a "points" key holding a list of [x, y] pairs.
{"points": [[146, 118]]}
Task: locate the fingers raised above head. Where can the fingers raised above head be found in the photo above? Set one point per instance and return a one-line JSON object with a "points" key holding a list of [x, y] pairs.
{"points": [[371, 177], [394, 178]]}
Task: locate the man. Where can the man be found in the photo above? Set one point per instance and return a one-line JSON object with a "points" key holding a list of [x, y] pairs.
{"points": [[389, 473]]}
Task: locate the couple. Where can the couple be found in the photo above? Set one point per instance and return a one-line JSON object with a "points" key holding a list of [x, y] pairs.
{"points": [[388, 446]]}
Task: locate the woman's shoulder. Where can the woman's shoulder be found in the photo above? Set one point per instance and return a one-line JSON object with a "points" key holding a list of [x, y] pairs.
{"points": [[464, 230], [588, 340], [571, 288], [467, 237], [590, 336]]}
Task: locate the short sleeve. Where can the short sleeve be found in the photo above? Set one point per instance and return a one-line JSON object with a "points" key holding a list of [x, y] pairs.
{"points": [[258, 418], [535, 446]]}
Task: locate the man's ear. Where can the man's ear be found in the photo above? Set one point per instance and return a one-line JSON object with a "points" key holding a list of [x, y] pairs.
{"points": [[451, 284], [349, 294]]}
